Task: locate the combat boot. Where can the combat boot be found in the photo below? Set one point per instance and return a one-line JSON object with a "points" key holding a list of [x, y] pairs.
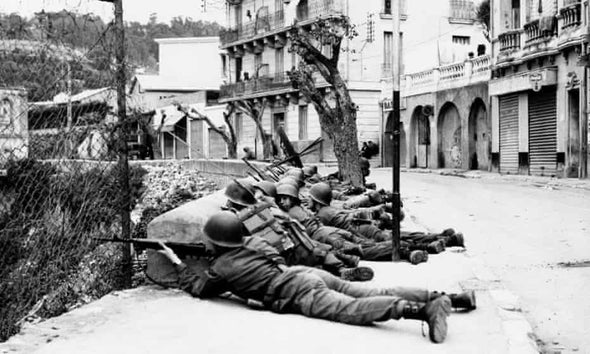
{"points": [[349, 260], [436, 247], [455, 240], [464, 301], [448, 232], [434, 312], [414, 257], [353, 249], [357, 274]]}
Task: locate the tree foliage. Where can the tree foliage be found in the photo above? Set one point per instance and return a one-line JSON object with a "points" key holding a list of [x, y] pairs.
{"points": [[320, 47], [37, 52], [482, 14]]}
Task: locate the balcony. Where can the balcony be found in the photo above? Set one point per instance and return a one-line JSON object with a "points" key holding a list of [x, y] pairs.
{"points": [[509, 41], [258, 86], [461, 11], [306, 13], [262, 25], [540, 30], [571, 16], [461, 74]]}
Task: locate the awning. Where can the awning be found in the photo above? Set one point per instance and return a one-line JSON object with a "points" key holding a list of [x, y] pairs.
{"points": [[166, 119]]}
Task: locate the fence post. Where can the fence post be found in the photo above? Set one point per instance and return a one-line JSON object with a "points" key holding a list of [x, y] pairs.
{"points": [[123, 128]]}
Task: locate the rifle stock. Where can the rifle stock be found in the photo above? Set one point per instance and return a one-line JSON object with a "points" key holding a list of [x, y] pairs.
{"points": [[180, 248]]}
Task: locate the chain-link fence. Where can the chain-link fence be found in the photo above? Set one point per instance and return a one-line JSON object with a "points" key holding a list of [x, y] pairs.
{"points": [[61, 176]]}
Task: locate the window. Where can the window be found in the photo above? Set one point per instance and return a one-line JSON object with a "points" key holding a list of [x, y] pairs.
{"points": [[303, 122], [258, 65], [387, 49], [387, 7], [239, 126], [5, 111], [462, 40], [279, 61]]}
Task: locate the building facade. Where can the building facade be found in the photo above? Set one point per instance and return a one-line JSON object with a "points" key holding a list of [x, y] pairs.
{"points": [[537, 89], [257, 59], [444, 91], [190, 73]]}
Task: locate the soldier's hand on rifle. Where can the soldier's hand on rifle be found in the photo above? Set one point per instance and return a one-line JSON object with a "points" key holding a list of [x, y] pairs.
{"points": [[169, 253]]}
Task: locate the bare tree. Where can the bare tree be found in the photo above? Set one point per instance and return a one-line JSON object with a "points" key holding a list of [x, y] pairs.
{"points": [[482, 14], [335, 107], [229, 135], [255, 110]]}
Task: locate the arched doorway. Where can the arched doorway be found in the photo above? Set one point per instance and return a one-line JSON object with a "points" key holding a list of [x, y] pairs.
{"points": [[479, 137], [419, 138], [449, 137]]}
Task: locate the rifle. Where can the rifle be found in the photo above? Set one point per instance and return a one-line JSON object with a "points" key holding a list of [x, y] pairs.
{"points": [[182, 249]]}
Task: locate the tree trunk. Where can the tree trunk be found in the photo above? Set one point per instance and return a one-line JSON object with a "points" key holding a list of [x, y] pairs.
{"points": [[232, 150]]}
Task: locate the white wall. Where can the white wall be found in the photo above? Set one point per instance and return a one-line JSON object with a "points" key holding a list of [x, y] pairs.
{"points": [[194, 61]]}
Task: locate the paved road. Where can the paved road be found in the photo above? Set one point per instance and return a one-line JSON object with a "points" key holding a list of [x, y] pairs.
{"points": [[535, 240]]}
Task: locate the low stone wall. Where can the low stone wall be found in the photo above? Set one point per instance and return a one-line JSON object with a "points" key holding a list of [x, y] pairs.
{"points": [[219, 171]]}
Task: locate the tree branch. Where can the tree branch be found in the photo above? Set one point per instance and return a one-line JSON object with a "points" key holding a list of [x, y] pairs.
{"points": [[196, 115]]}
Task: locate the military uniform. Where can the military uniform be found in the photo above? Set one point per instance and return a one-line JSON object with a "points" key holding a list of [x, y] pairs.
{"points": [[340, 238], [263, 276]]}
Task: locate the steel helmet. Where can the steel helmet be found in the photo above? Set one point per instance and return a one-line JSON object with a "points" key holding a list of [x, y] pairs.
{"points": [[267, 188], [224, 229], [289, 180], [298, 174], [308, 171], [240, 192], [289, 190], [321, 193]]}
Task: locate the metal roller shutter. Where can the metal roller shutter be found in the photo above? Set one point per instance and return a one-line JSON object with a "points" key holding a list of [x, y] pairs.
{"points": [[509, 134], [543, 132]]}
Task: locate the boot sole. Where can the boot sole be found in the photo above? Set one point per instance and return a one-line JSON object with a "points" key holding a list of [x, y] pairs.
{"points": [[360, 274], [423, 257], [439, 310]]}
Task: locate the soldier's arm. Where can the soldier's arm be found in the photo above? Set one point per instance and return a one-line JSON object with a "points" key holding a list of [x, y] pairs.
{"points": [[199, 284]]}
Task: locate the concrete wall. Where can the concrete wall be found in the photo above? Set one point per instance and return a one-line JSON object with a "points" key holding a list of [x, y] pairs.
{"points": [[192, 60]]}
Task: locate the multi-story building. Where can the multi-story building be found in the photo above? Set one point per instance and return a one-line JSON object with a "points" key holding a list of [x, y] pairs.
{"points": [[538, 100], [445, 75], [190, 72], [257, 59]]}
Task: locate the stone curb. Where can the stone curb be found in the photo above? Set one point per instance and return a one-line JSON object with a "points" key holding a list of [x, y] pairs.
{"points": [[545, 182]]}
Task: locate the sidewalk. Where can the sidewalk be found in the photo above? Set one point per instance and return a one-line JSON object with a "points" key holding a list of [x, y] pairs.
{"points": [[152, 320], [538, 181]]}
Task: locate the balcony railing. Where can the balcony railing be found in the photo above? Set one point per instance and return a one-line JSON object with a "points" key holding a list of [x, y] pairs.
{"points": [[475, 70], [540, 30], [509, 41], [571, 16], [278, 81], [462, 10], [305, 11]]}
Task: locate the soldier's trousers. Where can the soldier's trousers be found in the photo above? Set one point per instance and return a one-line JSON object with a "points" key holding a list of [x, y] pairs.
{"points": [[343, 240], [316, 293]]}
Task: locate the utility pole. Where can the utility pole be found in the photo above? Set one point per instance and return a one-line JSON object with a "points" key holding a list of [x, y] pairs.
{"points": [[121, 135], [395, 115], [583, 172]]}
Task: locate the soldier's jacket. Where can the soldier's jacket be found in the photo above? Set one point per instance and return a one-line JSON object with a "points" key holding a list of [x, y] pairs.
{"points": [[246, 272], [288, 237], [342, 219], [334, 236]]}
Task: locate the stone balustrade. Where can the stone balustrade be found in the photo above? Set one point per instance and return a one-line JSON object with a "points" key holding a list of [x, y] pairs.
{"points": [[448, 76]]}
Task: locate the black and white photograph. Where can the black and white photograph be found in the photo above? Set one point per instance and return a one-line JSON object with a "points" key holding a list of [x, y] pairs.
{"points": [[294, 176]]}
